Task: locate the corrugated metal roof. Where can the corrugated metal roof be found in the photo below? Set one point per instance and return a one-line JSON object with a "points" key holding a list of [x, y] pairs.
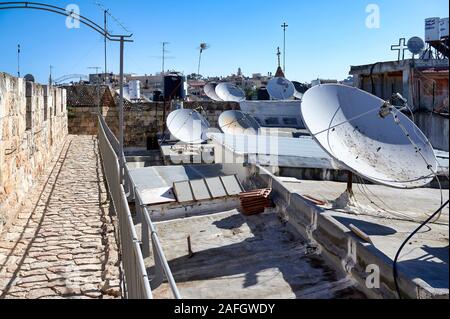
{"points": [[286, 151]]}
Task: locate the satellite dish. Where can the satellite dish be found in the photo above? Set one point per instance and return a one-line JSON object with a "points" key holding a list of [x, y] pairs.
{"points": [[300, 89], [29, 78], [345, 121], [280, 89], [188, 126], [229, 92], [416, 45], [210, 91], [238, 123]]}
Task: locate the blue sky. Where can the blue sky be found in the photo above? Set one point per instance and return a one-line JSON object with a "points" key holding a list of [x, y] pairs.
{"points": [[324, 37]]}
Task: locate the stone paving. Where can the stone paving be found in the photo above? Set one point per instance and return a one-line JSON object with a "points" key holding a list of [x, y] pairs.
{"points": [[62, 243]]}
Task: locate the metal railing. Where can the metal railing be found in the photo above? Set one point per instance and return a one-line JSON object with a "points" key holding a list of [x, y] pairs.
{"points": [[137, 284], [149, 234]]}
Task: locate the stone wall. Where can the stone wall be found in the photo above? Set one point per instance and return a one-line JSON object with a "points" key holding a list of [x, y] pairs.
{"points": [[33, 127], [141, 120]]}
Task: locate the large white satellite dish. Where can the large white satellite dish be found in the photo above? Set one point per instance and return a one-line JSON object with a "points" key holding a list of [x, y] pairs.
{"points": [[229, 92], [210, 91], [238, 123], [280, 88], [188, 126], [346, 122]]}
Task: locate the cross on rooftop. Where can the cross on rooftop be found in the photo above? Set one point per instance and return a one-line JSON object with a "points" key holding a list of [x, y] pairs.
{"points": [[401, 47]]}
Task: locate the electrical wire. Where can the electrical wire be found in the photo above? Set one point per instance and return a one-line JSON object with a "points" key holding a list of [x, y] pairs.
{"points": [[347, 121], [395, 270], [418, 150]]}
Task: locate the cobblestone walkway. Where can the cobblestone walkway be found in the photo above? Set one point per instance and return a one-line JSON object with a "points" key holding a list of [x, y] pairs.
{"points": [[62, 244]]}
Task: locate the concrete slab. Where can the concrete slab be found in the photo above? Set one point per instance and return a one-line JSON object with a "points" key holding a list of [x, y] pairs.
{"points": [[388, 216], [245, 257]]}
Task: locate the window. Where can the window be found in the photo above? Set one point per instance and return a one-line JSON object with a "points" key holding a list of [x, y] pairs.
{"points": [[290, 121], [272, 121]]}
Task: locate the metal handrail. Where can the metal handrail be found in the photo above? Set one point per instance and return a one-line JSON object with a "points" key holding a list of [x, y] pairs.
{"points": [[137, 283], [161, 264]]}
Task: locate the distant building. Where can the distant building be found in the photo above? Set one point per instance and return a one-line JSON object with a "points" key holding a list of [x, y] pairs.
{"points": [[424, 83], [322, 81], [104, 78]]}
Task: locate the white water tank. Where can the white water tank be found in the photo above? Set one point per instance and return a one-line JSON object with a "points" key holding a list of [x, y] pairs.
{"points": [[134, 89], [443, 28], [432, 30]]}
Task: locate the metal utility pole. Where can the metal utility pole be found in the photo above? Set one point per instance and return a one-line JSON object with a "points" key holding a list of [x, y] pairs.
{"points": [[203, 47], [284, 26], [50, 80], [18, 60], [105, 13], [121, 128], [97, 68], [164, 56]]}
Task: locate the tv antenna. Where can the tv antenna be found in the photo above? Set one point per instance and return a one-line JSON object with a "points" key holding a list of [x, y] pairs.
{"points": [[235, 122], [210, 91], [352, 126], [203, 46], [107, 13], [189, 126], [416, 45], [284, 26], [280, 88], [164, 51], [230, 92]]}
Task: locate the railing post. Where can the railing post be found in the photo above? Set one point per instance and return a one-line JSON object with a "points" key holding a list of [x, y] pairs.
{"points": [[145, 231], [158, 277]]}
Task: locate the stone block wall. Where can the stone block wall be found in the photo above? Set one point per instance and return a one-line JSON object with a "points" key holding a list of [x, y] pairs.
{"points": [[141, 120], [33, 127]]}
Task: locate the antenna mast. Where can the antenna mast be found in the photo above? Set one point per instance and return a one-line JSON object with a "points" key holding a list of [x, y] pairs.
{"points": [[278, 55], [18, 60], [164, 56], [105, 13], [284, 26], [50, 80], [203, 46]]}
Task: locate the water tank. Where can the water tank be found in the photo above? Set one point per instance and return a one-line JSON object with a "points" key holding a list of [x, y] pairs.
{"points": [[29, 78], [134, 90], [174, 87], [432, 30], [262, 94], [443, 28], [157, 96]]}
